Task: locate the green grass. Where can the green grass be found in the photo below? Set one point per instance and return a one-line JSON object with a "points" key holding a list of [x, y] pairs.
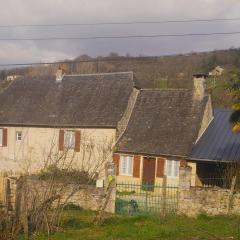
{"points": [[77, 224]]}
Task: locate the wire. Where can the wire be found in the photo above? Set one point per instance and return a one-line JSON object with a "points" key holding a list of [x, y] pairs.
{"points": [[120, 37], [120, 23], [139, 59]]}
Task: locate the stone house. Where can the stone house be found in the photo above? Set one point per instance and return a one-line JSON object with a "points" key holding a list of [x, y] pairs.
{"points": [[217, 71], [163, 128], [44, 115], [148, 133]]}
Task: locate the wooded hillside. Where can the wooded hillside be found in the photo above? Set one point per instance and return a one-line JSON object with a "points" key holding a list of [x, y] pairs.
{"points": [[153, 72]]}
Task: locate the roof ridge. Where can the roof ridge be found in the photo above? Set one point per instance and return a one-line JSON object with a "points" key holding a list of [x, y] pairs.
{"points": [[164, 89], [96, 74]]}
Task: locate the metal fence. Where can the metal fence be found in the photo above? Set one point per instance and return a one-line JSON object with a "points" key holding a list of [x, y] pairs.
{"points": [[136, 198]]}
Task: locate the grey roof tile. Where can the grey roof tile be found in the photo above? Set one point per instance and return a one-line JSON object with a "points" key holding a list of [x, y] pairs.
{"points": [[79, 100], [163, 122]]}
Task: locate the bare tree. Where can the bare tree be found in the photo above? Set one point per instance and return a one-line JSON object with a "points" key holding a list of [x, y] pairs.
{"points": [[42, 197]]}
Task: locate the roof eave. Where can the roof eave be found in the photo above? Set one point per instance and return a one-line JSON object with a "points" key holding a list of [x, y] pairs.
{"points": [[55, 125], [211, 160], [151, 154]]}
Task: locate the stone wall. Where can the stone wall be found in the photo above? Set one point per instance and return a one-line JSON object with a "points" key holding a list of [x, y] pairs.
{"points": [[122, 124], [207, 117], [86, 196], [209, 200]]}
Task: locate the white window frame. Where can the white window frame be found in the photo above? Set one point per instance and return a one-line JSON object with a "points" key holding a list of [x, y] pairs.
{"points": [[1, 137], [69, 139], [126, 165], [18, 136], [172, 168]]}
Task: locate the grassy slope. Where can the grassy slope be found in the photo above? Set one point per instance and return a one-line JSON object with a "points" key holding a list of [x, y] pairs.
{"points": [[77, 225]]}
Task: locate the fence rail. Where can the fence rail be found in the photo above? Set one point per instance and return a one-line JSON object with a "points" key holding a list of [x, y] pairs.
{"points": [[135, 198]]}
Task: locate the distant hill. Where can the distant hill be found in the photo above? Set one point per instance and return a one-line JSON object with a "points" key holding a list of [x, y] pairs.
{"points": [[153, 72]]}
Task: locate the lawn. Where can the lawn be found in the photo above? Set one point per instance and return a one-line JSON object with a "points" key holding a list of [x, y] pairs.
{"points": [[77, 224]]}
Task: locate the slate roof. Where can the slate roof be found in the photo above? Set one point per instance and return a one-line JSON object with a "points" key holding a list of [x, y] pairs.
{"points": [[94, 100], [218, 143], [163, 122]]}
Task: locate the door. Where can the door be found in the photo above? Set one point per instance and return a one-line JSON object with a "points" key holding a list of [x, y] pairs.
{"points": [[148, 176]]}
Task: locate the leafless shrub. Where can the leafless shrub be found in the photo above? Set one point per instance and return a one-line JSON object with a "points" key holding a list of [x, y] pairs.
{"points": [[41, 198]]}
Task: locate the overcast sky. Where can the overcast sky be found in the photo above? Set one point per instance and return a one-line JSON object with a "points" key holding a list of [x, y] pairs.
{"points": [[90, 11]]}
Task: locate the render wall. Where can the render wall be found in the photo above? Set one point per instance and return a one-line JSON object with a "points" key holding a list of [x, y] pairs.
{"points": [[37, 144], [158, 180]]}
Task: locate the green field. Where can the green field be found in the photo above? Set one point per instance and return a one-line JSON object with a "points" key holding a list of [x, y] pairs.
{"points": [[78, 225]]}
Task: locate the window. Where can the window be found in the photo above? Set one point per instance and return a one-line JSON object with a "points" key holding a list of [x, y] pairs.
{"points": [[69, 139], [172, 168], [126, 165], [1, 137], [18, 136]]}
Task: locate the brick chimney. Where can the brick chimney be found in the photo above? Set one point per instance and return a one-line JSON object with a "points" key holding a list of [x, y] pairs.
{"points": [[199, 82], [60, 74]]}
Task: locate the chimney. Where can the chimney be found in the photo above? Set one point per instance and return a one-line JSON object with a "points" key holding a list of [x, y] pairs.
{"points": [[60, 74], [199, 86]]}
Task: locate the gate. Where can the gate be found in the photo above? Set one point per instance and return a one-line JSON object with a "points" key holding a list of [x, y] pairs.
{"points": [[136, 198]]}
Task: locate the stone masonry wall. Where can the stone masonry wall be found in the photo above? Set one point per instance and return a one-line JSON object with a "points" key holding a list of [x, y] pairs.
{"points": [[86, 196], [122, 124], [210, 200]]}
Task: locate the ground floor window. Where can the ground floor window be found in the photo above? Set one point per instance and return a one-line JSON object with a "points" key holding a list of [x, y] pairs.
{"points": [[126, 165], [172, 168]]}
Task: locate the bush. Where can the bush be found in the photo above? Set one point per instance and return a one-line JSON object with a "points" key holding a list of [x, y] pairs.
{"points": [[72, 206], [67, 176]]}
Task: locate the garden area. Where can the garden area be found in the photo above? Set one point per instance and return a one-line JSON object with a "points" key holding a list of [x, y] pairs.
{"points": [[78, 224]]}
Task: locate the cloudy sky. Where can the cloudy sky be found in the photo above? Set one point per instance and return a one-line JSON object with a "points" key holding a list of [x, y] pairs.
{"points": [[17, 12]]}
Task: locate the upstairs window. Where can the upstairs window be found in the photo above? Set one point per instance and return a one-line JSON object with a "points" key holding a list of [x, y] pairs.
{"points": [[18, 136], [69, 139], [126, 165], [172, 168]]}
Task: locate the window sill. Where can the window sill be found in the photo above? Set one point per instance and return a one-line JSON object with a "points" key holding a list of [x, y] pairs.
{"points": [[173, 177], [125, 175]]}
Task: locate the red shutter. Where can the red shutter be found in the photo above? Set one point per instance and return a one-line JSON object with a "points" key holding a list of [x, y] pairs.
{"points": [[183, 163], [5, 137], [136, 166], [77, 141], [116, 160], [160, 167], [61, 140]]}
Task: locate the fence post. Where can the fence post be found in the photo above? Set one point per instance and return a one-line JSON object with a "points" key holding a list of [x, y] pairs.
{"points": [[230, 197], [184, 188], [146, 198], [164, 196], [2, 197]]}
